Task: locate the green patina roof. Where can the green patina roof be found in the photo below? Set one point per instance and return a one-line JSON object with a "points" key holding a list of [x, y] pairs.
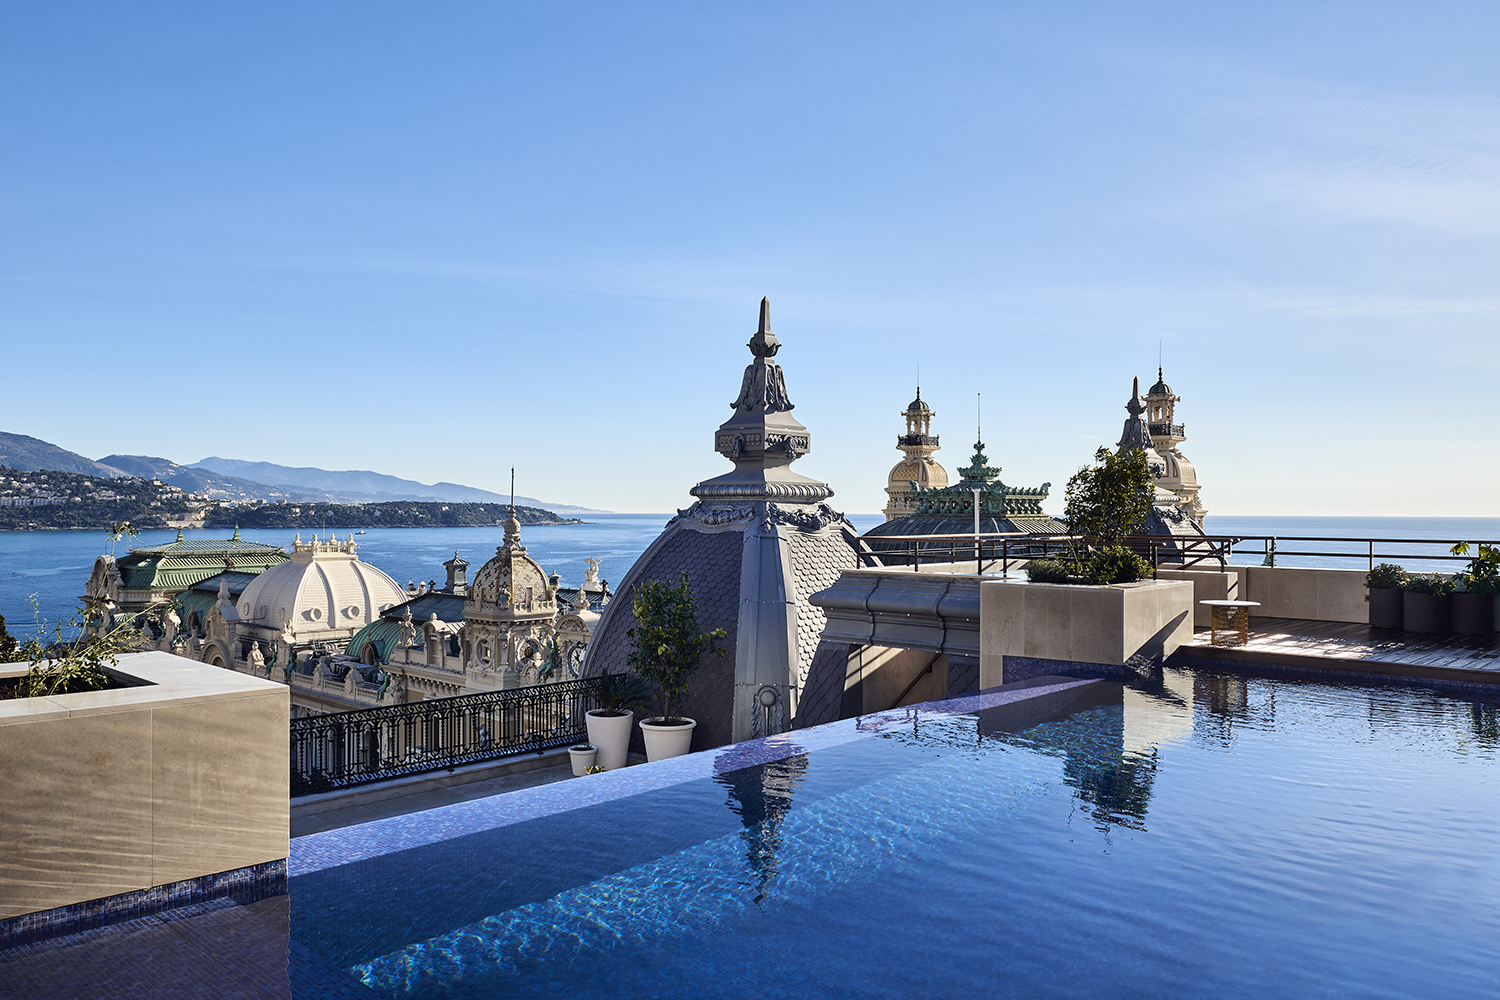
{"points": [[383, 632], [181, 564], [995, 498], [202, 596]]}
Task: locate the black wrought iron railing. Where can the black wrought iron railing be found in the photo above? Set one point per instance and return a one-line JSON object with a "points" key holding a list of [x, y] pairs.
{"points": [[372, 744], [1002, 553]]}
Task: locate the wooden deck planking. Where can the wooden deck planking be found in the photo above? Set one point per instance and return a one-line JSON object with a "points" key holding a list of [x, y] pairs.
{"points": [[1342, 645]]}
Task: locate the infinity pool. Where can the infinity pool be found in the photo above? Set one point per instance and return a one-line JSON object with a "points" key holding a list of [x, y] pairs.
{"points": [[1204, 835]]}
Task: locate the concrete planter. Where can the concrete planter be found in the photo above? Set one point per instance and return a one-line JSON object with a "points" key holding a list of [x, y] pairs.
{"points": [[1119, 625], [1473, 614], [180, 776], [1425, 612], [1386, 608], [663, 741], [611, 735], [582, 758]]}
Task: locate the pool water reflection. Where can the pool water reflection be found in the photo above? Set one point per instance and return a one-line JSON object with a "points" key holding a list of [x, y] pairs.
{"points": [[1201, 835]]}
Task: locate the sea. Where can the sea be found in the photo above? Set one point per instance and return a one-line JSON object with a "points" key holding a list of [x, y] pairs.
{"points": [[43, 573]]}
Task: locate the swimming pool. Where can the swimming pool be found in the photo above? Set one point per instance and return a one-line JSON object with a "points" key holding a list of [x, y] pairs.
{"points": [[1204, 835]]}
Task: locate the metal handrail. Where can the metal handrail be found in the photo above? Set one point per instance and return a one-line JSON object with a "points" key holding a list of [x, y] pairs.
{"points": [[344, 749], [1185, 551]]}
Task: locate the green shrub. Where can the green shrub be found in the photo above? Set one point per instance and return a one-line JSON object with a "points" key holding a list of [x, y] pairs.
{"points": [[1051, 571], [1428, 583], [1116, 564], [1386, 576]]}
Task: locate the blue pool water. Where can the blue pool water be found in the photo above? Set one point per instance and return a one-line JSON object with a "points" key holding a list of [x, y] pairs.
{"points": [[1204, 835]]}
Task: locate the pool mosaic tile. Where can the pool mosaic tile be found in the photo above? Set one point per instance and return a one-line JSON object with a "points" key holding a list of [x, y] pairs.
{"points": [[320, 851], [241, 884]]}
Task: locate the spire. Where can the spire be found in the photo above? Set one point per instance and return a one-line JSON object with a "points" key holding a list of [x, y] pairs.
{"points": [[761, 437], [179, 534], [236, 533], [764, 344], [1136, 434]]}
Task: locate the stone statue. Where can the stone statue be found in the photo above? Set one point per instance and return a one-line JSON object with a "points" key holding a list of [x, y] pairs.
{"points": [[257, 660], [408, 630]]}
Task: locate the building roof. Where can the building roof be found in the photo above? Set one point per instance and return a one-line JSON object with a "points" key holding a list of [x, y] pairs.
{"points": [[181, 564], [324, 587], [1160, 388]]}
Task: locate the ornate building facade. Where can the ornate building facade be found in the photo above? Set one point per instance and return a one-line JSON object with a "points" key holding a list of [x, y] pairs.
{"points": [[918, 469], [344, 635], [1178, 474], [1168, 514]]}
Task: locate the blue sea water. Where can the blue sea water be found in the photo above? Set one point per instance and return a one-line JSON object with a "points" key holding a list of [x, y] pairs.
{"points": [[53, 566]]}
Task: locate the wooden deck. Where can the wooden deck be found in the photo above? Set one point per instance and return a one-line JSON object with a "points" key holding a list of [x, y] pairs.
{"points": [[1467, 659]]}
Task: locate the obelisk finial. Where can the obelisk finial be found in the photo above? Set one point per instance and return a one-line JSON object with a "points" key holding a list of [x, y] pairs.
{"points": [[764, 344]]}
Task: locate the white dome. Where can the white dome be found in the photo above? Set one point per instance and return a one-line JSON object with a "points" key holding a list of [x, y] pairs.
{"points": [[324, 587]]}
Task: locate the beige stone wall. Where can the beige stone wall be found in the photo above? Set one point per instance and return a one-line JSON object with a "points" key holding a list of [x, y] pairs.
{"points": [[107, 792], [1326, 595], [1208, 585], [1108, 624], [884, 672]]}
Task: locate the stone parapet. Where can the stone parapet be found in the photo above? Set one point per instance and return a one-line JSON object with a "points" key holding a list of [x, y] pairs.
{"points": [[181, 775], [1123, 624]]}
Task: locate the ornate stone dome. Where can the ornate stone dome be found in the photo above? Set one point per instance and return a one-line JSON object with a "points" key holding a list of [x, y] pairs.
{"points": [[511, 584], [323, 588]]}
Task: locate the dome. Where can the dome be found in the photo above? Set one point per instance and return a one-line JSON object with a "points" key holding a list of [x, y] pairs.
{"points": [[323, 587], [917, 406], [1160, 388]]}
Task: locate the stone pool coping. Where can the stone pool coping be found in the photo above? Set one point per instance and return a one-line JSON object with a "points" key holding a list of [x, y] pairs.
{"points": [[320, 851]]}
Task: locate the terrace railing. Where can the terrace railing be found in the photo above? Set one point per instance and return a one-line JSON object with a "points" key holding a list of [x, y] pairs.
{"points": [[344, 749], [1001, 553]]}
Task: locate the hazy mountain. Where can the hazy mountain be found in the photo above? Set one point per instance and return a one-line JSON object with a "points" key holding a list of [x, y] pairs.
{"points": [[29, 454], [371, 485], [211, 484]]}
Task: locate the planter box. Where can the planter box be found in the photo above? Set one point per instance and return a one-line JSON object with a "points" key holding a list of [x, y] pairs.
{"points": [[1208, 585], [1122, 624], [1473, 614], [180, 776], [1424, 612], [1386, 607]]}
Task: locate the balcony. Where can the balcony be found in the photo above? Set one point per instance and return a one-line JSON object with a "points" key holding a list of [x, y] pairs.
{"points": [[1165, 430]]}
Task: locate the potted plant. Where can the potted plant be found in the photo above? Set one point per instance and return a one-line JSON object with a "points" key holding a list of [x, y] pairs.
{"points": [[609, 724], [1386, 583], [667, 648], [1424, 603], [1105, 502], [582, 757], [1474, 590]]}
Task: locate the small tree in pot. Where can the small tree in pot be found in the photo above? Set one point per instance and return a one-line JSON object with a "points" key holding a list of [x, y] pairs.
{"points": [[667, 647], [1105, 502]]}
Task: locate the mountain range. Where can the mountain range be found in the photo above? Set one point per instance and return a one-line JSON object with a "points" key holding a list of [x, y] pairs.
{"points": [[234, 479]]}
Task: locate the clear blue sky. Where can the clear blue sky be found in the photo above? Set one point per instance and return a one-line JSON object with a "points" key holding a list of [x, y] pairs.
{"points": [[437, 240]]}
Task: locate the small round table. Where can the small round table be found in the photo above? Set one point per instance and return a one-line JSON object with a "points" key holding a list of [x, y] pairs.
{"points": [[1230, 621]]}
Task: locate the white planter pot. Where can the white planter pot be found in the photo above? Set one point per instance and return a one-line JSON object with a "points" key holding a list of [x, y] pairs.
{"points": [[667, 741], [582, 758], [611, 735]]}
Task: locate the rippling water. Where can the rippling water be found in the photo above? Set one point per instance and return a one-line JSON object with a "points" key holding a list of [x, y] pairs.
{"points": [[1211, 835]]}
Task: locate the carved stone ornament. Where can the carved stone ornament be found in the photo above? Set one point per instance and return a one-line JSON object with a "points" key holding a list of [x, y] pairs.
{"points": [[804, 518]]}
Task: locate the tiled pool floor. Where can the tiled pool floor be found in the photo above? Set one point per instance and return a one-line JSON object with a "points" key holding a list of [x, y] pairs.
{"points": [[218, 950]]}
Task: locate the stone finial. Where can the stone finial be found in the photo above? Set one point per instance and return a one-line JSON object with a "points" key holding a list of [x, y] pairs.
{"points": [[764, 344]]}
